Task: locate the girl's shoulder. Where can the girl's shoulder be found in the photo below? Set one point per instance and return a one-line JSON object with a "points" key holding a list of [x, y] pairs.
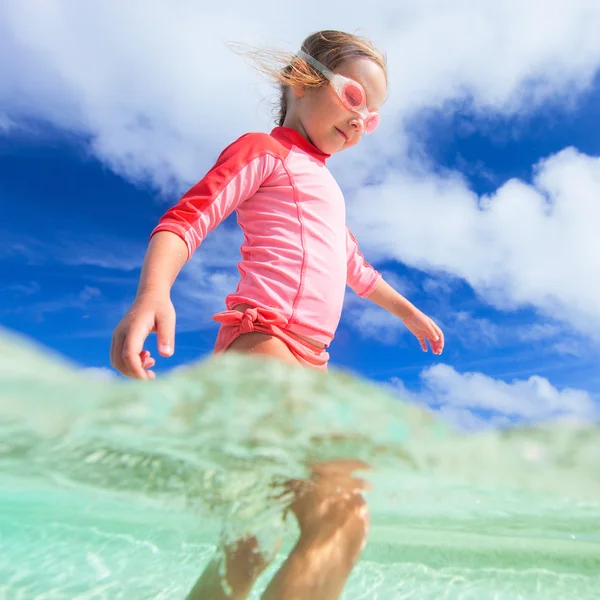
{"points": [[256, 143], [259, 152]]}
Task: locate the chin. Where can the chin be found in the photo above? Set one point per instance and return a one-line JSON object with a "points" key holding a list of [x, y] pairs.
{"points": [[326, 146], [329, 143], [332, 146]]}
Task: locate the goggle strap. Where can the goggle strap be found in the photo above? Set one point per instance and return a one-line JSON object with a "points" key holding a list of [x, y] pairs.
{"points": [[315, 63]]}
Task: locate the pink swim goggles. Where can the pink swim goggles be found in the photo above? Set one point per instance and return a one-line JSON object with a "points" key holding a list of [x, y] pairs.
{"points": [[350, 92]]}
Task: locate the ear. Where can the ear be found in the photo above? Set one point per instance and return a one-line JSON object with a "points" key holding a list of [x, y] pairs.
{"points": [[298, 92]]}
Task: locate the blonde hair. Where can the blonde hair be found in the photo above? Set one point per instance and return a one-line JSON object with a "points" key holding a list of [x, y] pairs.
{"points": [[329, 47]]}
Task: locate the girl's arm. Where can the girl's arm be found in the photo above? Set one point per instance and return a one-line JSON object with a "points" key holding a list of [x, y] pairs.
{"points": [[166, 255], [387, 297], [368, 283], [152, 309], [422, 326]]}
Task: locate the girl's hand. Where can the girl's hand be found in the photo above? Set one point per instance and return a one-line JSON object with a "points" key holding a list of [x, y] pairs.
{"points": [[425, 330], [150, 313]]}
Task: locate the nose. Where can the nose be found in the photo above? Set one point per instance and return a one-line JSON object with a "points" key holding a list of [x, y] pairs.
{"points": [[356, 123]]}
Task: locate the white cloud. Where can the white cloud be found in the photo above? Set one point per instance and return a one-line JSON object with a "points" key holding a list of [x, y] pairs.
{"points": [[538, 332], [6, 124], [85, 304], [437, 287], [556, 337], [158, 93], [371, 321], [474, 331], [525, 245], [73, 249], [459, 397], [89, 293], [569, 347], [27, 289]]}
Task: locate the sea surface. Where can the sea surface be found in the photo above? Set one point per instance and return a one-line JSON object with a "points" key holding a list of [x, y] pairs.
{"points": [[112, 489]]}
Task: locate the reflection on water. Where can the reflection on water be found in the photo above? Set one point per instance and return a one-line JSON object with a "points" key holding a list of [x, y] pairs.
{"points": [[121, 490]]}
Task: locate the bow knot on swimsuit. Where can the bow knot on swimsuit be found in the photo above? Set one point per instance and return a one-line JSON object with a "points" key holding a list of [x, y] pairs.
{"points": [[269, 322], [248, 319]]}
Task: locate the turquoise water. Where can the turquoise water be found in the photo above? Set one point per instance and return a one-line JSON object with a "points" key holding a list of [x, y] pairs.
{"points": [[113, 489]]}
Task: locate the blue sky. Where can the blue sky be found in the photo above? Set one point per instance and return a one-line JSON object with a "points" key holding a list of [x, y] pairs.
{"points": [[521, 329]]}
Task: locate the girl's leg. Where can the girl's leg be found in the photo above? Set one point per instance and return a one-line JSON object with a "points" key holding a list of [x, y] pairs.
{"points": [[243, 564], [332, 516], [262, 343], [243, 561], [334, 523]]}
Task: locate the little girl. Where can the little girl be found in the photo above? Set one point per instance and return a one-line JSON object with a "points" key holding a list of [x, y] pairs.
{"points": [[296, 259]]}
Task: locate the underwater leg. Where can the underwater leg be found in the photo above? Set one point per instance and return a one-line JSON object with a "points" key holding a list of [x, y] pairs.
{"points": [[334, 522], [231, 574]]}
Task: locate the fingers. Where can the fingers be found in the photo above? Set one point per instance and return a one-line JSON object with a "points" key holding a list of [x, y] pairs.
{"points": [[147, 361], [165, 331], [438, 345], [115, 350], [432, 334], [441, 340], [432, 337], [132, 353], [117, 354], [127, 354], [435, 345], [118, 362]]}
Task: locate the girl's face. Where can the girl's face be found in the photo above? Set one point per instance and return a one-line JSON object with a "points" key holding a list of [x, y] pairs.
{"points": [[319, 115]]}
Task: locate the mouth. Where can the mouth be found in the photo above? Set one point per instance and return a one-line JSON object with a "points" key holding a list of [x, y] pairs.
{"points": [[342, 134]]}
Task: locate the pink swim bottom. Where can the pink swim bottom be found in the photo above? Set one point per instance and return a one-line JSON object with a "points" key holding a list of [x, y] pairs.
{"points": [[262, 320]]}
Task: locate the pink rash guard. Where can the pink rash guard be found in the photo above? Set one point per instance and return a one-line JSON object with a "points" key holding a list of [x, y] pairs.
{"points": [[298, 254]]}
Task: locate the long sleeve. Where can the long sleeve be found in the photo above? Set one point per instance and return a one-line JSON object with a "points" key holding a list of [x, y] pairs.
{"points": [[361, 276], [238, 173]]}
